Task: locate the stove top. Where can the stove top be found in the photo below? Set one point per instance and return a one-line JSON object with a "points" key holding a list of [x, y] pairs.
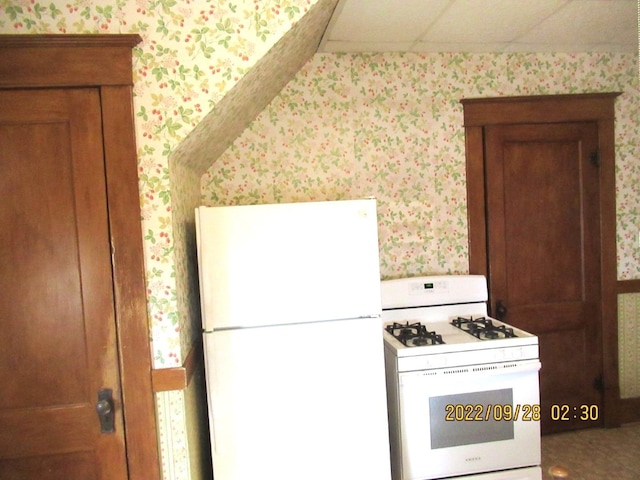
{"points": [[483, 328], [442, 321], [414, 336], [441, 344], [443, 314]]}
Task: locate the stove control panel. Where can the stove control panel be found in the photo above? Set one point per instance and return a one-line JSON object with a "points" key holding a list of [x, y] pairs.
{"points": [[427, 288], [433, 290]]}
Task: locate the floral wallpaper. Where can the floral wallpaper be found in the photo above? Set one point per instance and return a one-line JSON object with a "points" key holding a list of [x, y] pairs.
{"points": [[345, 126], [390, 126]]}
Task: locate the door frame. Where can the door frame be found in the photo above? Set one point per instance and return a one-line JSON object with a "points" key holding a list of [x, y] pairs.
{"points": [[595, 107], [104, 62]]}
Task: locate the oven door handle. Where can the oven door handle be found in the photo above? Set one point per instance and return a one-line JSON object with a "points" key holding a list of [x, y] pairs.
{"points": [[505, 368], [502, 368], [442, 376]]}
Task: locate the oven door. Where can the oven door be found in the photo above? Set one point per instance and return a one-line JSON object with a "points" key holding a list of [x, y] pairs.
{"points": [[466, 420]]}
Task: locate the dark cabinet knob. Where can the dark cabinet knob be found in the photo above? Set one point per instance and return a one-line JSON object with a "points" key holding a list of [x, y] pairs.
{"points": [[103, 407], [501, 310]]}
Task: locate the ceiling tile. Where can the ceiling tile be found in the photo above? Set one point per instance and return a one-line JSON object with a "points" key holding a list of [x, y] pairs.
{"points": [[473, 47], [587, 22], [363, 47], [483, 26], [383, 20], [489, 20]]}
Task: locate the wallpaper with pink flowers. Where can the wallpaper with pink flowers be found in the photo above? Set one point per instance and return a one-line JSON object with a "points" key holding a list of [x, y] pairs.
{"points": [[345, 126], [390, 126]]}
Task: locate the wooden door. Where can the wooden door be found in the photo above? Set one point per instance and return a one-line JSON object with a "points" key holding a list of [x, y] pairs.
{"points": [[58, 342], [543, 224]]}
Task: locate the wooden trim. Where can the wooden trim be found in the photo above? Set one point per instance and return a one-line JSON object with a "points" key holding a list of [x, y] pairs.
{"points": [[479, 112], [122, 41], [104, 61], [28, 61], [628, 286], [130, 288], [167, 379], [476, 202], [629, 410], [597, 107], [608, 265]]}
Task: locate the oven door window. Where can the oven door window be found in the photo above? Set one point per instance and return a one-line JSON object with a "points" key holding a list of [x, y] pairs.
{"points": [[475, 410]]}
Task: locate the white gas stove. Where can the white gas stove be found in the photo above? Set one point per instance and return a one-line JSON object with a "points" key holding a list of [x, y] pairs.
{"points": [[460, 383]]}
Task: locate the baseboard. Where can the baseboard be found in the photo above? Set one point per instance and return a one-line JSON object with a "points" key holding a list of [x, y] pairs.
{"points": [[629, 410], [628, 286], [178, 378]]}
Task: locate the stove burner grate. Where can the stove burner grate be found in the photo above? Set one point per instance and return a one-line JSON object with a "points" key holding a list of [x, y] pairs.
{"points": [[414, 334], [483, 328]]}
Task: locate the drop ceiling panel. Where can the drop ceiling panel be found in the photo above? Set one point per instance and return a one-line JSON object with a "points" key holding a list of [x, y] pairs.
{"points": [[587, 22], [483, 26], [486, 21], [363, 47], [382, 21]]}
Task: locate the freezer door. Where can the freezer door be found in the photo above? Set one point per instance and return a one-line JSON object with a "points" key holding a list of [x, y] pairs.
{"points": [[286, 263], [304, 401]]}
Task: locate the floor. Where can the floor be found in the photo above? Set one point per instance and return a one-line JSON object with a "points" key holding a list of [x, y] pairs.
{"points": [[594, 454]]}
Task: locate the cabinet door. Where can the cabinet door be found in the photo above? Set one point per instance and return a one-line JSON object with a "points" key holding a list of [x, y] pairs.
{"points": [[58, 342]]}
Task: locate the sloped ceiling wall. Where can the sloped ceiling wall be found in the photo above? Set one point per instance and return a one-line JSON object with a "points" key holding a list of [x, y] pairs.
{"points": [[211, 138], [231, 115]]}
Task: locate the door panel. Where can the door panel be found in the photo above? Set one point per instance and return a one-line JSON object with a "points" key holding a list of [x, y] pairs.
{"points": [[56, 467], [544, 261], [58, 346]]}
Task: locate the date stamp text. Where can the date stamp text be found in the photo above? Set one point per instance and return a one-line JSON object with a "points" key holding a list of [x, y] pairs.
{"points": [[492, 412]]}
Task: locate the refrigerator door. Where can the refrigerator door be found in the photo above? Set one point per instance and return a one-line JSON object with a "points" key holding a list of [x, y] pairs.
{"points": [[304, 401], [286, 263]]}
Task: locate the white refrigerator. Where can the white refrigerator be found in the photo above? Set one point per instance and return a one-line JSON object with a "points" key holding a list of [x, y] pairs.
{"points": [[294, 356]]}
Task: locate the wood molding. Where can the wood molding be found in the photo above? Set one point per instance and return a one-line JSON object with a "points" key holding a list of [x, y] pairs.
{"points": [[629, 410], [66, 60], [130, 287], [104, 62], [479, 112], [628, 286], [476, 218], [178, 378]]}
